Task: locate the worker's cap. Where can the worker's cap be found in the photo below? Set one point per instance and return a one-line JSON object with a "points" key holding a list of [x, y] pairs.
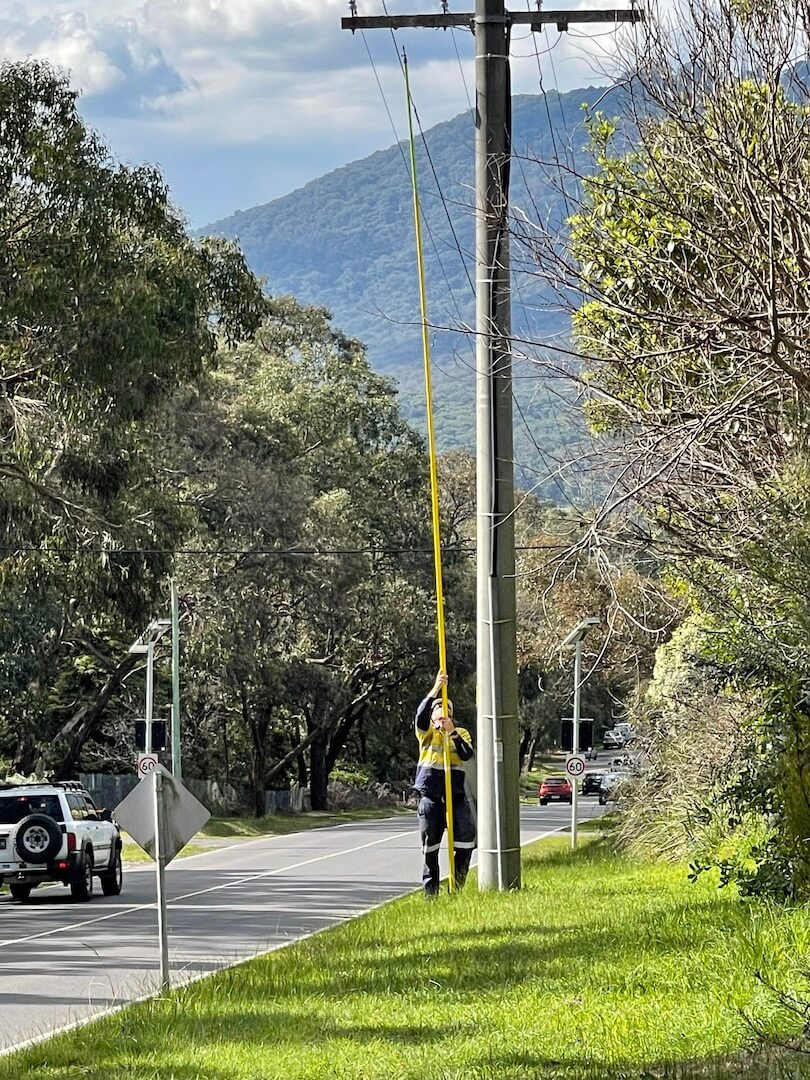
{"points": [[437, 704]]}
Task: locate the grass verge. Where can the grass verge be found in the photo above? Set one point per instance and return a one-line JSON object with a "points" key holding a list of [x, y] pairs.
{"points": [[281, 824], [599, 968], [132, 852]]}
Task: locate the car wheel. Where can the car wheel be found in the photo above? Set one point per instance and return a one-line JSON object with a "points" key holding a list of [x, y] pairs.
{"points": [[603, 800], [20, 892], [38, 839], [543, 802], [112, 880], [81, 887]]}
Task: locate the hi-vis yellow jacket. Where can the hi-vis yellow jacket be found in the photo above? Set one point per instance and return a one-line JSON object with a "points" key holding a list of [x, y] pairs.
{"points": [[430, 769]]}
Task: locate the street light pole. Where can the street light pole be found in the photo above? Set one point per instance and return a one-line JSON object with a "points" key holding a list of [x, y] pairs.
{"points": [[575, 639], [145, 646], [575, 739], [150, 695], [176, 738]]}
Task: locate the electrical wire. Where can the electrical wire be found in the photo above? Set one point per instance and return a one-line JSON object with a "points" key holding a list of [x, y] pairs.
{"points": [[407, 170], [384, 101], [461, 70], [430, 161], [544, 95], [465, 548]]}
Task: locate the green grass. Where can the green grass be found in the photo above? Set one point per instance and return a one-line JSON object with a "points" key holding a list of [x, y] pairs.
{"points": [[281, 824], [599, 968], [132, 852]]}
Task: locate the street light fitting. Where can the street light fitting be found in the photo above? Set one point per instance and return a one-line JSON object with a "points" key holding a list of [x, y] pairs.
{"points": [[154, 632], [579, 631]]}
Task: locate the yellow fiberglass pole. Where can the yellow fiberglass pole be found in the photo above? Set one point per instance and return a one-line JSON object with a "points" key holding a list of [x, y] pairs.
{"points": [[434, 477]]}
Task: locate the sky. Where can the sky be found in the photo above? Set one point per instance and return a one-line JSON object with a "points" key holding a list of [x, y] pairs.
{"points": [[241, 101]]}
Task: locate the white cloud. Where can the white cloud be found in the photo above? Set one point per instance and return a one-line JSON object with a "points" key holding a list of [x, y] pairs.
{"points": [[277, 75], [110, 60]]}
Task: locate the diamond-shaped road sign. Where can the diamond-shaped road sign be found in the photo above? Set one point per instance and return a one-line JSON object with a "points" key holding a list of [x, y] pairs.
{"points": [[183, 815]]}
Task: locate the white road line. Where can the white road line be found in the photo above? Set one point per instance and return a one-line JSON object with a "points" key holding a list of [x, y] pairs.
{"points": [[199, 892], [239, 842]]}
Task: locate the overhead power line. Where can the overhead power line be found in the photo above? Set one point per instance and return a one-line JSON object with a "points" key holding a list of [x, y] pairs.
{"points": [[463, 548]]}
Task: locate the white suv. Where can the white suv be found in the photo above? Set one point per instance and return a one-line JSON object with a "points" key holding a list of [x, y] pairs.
{"points": [[53, 832]]}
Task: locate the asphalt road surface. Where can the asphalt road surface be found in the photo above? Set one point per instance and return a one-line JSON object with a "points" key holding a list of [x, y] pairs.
{"points": [[62, 962]]}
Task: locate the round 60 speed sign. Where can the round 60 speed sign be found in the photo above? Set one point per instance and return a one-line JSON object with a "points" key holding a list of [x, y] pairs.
{"points": [[146, 764], [575, 765]]}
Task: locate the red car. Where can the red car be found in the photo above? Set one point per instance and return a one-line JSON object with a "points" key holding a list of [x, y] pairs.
{"points": [[555, 787]]}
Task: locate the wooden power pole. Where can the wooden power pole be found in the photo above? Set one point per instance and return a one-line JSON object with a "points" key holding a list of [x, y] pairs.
{"points": [[498, 733]]}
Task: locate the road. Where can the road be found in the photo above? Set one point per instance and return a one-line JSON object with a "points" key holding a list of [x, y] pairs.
{"points": [[62, 962]]}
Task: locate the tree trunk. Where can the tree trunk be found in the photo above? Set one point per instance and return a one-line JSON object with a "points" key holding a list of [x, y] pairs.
{"points": [[318, 773], [300, 759], [259, 771], [532, 753], [524, 747], [25, 754], [226, 748], [361, 739], [257, 726], [68, 744]]}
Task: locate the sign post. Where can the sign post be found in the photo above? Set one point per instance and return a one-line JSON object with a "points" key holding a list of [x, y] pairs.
{"points": [[161, 815], [575, 639], [160, 866], [575, 768]]}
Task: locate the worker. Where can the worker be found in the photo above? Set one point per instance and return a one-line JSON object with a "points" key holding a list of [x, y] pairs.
{"points": [[431, 723]]}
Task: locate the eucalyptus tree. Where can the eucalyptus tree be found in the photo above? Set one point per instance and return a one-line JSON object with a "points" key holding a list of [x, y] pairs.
{"points": [[313, 602], [106, 306]]}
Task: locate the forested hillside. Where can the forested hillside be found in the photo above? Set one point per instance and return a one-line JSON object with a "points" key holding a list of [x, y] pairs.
{"points": [[346, 241]]}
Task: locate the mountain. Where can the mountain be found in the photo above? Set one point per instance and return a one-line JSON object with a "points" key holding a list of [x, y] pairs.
{"points": [[345, 241]]}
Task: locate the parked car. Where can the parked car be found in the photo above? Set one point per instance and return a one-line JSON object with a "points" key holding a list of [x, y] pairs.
{"points": [[592, 782], [555, 787], [54, 832]]}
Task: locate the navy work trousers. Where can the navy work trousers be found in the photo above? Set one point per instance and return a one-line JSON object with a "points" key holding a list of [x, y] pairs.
{"points": [[432, 820]]}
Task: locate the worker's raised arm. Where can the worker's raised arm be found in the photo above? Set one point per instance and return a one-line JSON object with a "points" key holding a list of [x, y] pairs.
{"points": [[426, 705]]}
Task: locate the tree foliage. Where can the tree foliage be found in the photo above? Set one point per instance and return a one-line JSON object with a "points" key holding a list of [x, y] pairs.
{"points": [[689, 253], [312, 601], [107, 306]]}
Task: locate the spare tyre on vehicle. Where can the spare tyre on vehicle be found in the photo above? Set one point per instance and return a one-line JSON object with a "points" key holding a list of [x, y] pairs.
{"points": [[38, 839]]}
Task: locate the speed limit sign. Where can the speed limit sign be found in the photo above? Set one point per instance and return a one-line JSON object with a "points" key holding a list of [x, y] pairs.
{"points": [[575, 765], [146, 764]]}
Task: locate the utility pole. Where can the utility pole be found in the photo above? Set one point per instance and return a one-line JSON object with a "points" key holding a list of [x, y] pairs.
{"points": [[496, 663], [498, 729]]}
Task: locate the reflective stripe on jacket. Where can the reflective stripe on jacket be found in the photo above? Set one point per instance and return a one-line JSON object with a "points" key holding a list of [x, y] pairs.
{"points": [[430, 769]]}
